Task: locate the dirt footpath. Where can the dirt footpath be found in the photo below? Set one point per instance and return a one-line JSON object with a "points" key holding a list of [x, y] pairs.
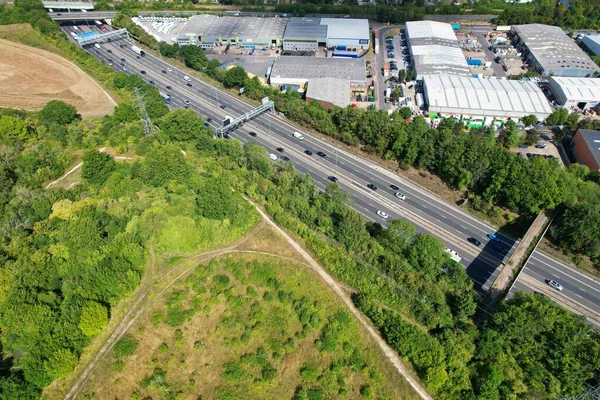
{"points": [[30, 77]]}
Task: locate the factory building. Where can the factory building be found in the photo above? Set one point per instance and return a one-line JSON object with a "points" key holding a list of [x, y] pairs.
{"points": [[550, 51], [248, 32], [434, 49], [586, 146], [592, 43], [330, 81], [484, 99], [345, 37], [575, 93]]}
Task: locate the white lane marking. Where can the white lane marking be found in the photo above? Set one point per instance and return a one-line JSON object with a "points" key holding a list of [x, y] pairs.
{"points": [[564, 273]]}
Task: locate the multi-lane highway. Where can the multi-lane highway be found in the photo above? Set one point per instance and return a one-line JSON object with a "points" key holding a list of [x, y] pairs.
{"points": [[447, 222]]}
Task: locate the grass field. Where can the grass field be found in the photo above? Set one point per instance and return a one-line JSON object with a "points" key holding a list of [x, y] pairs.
{"points": [[248, 325]]}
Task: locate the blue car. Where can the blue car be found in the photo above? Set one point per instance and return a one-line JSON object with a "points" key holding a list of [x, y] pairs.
{"points": [[493, 237], [500, 249]]}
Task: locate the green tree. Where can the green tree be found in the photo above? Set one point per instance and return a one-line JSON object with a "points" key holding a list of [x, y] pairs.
{"points": [[558, 117], [257, 159], [235, 77], [60, 363], [12, 128], [163, 165], [124, 113], [194, 57], [216, 200], [405, 112], [58, 112], [511, 134], [94, 317], [182, 125], [97, 167], [530, 120]]}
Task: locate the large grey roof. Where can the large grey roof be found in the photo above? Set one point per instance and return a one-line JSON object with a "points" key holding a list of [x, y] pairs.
{"points": [[229, 27], [580, 89], [553, 49], [435, 49], [484, 97], [319, 67], [346, 28], [332, 90], [592, 140], [308, 28]]}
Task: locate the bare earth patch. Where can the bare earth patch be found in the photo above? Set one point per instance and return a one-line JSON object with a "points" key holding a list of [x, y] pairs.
{"points": [[30, 78]]}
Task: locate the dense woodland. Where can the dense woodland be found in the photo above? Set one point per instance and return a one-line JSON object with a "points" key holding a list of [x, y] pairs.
{"points": [[68, 256]]}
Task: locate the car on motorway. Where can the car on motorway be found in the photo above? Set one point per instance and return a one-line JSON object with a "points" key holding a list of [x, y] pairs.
{"points": [[109, 64], [121, 45], [122, 64], [164, 72], [493, 237], [332, 178], [226, 136], [223, 106], [382, 214], [273, 157], [280, 149], [186, 102], [253, 134], [474, 241], [169, 87], [122, 59], [320, 153], [284, 158], [110, 60], [310, 153], [394, 187], [138, 57], [109, 50], [208, 119], [188, 84], [143, 72], [500, 249], [553, 284], [151, 82], [371, 186], [400, 196], [169, 69]]}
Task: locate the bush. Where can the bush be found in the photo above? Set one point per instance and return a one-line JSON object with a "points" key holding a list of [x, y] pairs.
{"points": [[58, 112], [126, 346]]}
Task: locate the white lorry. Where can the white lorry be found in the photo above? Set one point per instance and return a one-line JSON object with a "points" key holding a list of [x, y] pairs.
{"points": [[138, 51]]}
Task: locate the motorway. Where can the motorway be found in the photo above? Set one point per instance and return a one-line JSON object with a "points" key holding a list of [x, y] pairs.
{"points": [[447, 222]]}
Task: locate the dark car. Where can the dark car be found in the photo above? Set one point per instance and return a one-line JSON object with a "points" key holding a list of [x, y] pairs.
{"points": [[164, 71], [280, 149], [208, 119], [371, 186], [138, 57], [332, 178], [122, 64], [121, 46], [310, 153], [151, 82], [284, 158], [189, 84], [169, 87], [223, 106], [474, 241], [110, 60], [394, 187], [226, 136], [500, 249], [109, 50], [523, 146], [320, 153], [143, 72], [253, 134], [122, 59]]}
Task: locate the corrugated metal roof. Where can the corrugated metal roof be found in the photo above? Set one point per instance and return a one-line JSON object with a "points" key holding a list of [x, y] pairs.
{"points": [[580, 89], [332, 90], [346, 28], [319, 67], [486, 97], [308, 28]]}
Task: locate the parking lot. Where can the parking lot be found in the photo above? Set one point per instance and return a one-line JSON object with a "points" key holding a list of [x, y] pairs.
{"points": [[397, 58]]}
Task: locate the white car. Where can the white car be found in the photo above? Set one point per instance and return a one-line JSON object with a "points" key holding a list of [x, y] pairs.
{"points": [[554, 284], [382, 214], [400, 196], [169, 69], [273, 157]]}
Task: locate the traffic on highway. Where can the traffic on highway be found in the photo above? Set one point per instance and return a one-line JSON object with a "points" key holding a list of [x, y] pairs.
{"points": [[380, 195]]}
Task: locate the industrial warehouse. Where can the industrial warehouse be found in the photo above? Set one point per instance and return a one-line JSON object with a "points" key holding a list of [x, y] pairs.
{"points": [[345, 37], [249, 32], [484, 99], [551, 52], [331, 81], [434, 49], [575, 93]]}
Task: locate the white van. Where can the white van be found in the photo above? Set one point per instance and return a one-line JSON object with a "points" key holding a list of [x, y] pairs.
{"points": [[97, 46], [298, 136], [187, 78], [273, 157]]}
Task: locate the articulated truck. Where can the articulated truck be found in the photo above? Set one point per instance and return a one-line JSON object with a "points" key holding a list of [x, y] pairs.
{"points": [[138, 51]]}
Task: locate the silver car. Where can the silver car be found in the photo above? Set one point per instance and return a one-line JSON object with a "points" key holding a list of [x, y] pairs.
{"points": [[554, 284]]}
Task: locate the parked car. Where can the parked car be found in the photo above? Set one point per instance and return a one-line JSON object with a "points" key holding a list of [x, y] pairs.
{"points": [[541, 146], [553, 284]]}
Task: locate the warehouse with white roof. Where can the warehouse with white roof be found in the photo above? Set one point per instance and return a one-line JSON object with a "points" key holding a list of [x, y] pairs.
{"points": [[581, 93], [484, 98], [434, 49]]}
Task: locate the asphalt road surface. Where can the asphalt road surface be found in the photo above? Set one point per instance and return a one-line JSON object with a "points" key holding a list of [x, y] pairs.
{"points": [[447, 222]]}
